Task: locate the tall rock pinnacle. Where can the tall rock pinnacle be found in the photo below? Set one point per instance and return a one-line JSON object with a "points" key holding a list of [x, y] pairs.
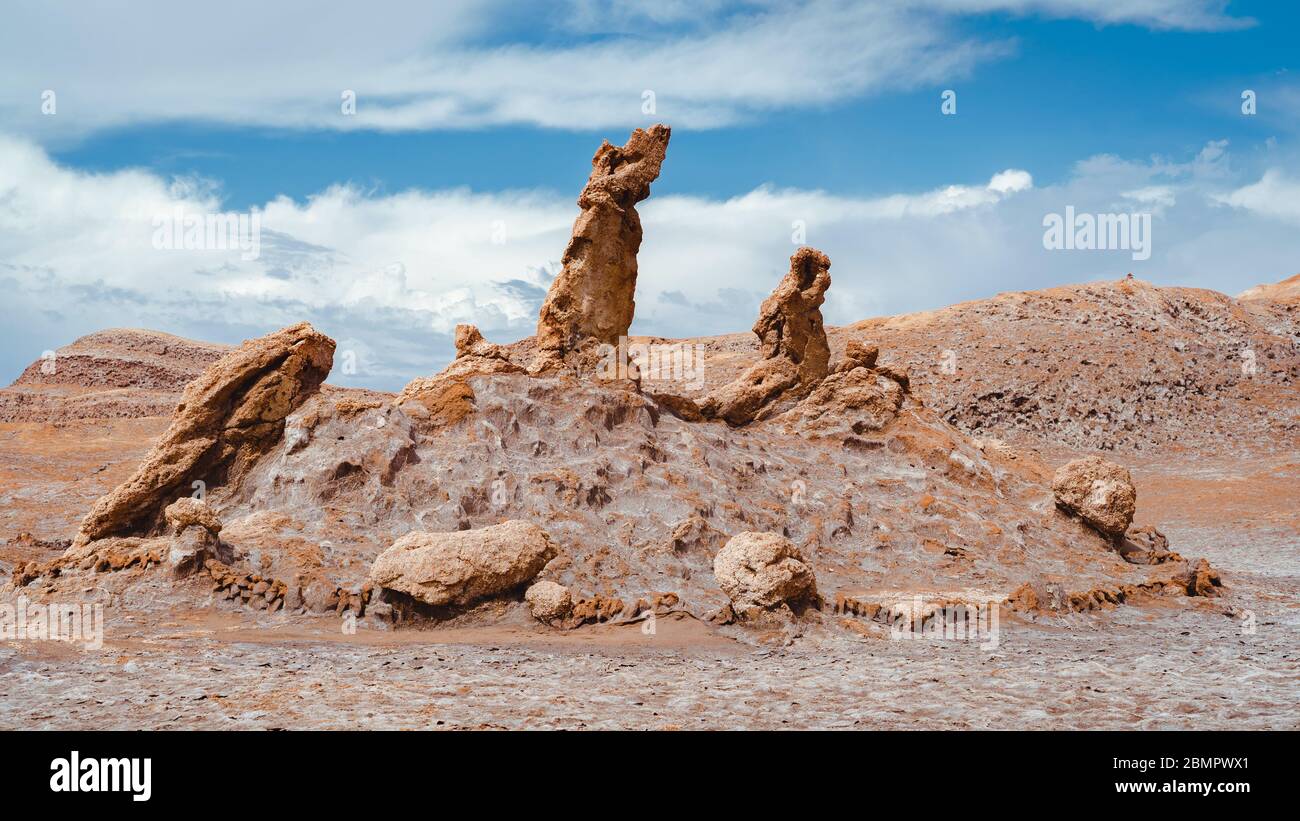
{"points": [[593, 295]]}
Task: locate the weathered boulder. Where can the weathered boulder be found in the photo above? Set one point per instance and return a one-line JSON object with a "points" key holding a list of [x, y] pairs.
{"points": [[229, 416], [190, 512], [1099, 492], [549, 602], [195, 529], [792, 341], [858, 355], [463, 566], [593, 295], [763, 571]]}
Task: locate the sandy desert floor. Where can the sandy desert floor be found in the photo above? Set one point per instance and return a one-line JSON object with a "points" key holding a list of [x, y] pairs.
{"points": [[1137, 669]]}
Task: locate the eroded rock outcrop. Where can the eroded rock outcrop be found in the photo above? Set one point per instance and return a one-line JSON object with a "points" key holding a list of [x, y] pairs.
{"points": [[762, 572], [593, 295], [792, 341], [447, 397], [462, 567], [1097, 491], [228, 417]]}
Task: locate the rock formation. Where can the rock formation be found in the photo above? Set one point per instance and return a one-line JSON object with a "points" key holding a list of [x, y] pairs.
{"points": [[763, 572], [190, 512], [593, 295], [1099, 492], [1203, 580], [796, 356], [854, 400], [549, 602], [447, 397], [461, 567], [228, 417]]}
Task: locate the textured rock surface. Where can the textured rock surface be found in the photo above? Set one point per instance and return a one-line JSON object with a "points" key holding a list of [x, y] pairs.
{"points": [[1099, 492], [593, 295], [228, 417], [1203, 580], [549, 602], [187, 512], [763, 571], [792, 343], [849, 402], [461, 567]]}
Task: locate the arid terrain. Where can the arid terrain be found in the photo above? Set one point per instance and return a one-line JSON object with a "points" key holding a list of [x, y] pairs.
{"points": [[533, 539]]}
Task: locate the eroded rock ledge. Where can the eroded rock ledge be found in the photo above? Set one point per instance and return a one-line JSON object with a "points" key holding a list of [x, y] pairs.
{"points": [[227, 418]]}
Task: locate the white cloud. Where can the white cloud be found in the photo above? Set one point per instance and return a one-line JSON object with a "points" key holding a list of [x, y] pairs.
{"points": [[1186, 15], [463, 64], [1274, 195], [390, 276]]}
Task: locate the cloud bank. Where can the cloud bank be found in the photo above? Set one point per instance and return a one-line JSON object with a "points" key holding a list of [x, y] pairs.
{"points": [[390, 276], [460, 64]]}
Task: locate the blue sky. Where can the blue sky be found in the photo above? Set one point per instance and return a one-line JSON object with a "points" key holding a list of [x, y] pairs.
{"points": [[469, 117]]}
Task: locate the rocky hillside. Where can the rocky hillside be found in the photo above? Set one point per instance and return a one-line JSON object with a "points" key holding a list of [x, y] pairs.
{"points": [[1286, 292], [1120, 366], [115, 373]]}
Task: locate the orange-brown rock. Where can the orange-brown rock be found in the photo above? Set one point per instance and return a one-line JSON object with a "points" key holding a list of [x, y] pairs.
{"points": [[461, 567], [593, 295], [470, 342], [850, 401], [447, 397], [228, 417], [190, 512], [1203, 580], [858, 355], [792, 342], [1099, 492]]}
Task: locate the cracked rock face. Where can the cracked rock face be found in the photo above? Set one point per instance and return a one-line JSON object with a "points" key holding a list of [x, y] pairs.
{"points": [[593, 295], [228, 417], [462, 567], [763, 571], [1099, 492], [792, 342]]}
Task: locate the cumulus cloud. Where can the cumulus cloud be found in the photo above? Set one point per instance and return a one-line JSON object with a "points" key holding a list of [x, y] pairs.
{"points": [[463, 64], [1274, 195], [390, 276]]}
